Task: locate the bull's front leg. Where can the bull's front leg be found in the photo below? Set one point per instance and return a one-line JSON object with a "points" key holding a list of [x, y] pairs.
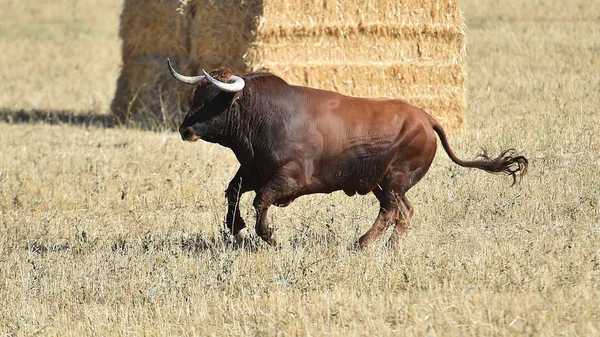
{"points": [[281, 187], [235, 223]]}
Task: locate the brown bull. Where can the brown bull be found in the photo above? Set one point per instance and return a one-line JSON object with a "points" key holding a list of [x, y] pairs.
{"points": [[292, 141]]}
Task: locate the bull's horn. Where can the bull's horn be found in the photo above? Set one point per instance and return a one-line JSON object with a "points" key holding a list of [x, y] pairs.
{"points": [[235, 84], [183, 78]]}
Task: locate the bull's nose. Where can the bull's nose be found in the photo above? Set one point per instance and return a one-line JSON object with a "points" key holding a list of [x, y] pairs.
{"points": [[186, 133]]}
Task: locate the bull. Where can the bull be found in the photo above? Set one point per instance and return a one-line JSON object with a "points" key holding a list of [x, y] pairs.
{"points": [[292, 141]]}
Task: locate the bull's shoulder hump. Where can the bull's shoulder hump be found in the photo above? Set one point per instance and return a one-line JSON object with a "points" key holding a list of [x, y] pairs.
{"points": [[263, 77]]}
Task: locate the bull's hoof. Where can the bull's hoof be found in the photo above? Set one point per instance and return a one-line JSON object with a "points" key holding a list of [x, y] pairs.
{"points": [[360, 245], [241, 236], [270, 240], [273, 240], [393, 243]]}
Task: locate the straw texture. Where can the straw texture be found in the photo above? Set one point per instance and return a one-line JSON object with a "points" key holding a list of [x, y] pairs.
{"points": [[412, 50], [151, 31]]}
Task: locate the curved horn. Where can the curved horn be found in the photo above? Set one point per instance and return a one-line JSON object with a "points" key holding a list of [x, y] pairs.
{"points": [[183, 78], [235, 84]]}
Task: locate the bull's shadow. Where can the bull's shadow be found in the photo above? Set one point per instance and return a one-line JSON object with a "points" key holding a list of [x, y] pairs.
{"points": [[83, 119], [80, 119], [184, 244]]}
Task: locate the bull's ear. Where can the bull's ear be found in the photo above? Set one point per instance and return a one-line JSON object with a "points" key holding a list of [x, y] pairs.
{"points": [[183, 78], [234, 84]]}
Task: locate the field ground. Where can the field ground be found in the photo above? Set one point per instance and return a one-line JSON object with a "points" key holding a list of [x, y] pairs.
{"points": [[111, 231]]}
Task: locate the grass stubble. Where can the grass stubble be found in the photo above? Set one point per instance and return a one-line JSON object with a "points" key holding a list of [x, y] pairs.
{"points": [[119, 231]]}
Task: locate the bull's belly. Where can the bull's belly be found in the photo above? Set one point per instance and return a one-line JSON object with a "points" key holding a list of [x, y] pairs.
{"points": [[357, 182], [361, 178], [353, 180], [352, 173]]}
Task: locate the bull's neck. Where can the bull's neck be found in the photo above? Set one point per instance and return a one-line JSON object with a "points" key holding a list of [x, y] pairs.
{"points": [[243, 131], [221, 129]]}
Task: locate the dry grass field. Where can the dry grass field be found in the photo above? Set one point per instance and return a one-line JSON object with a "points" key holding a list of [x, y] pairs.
{"points": [[114, 231]]}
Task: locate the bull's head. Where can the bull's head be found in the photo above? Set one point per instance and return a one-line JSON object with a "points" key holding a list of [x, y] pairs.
{"points": [[213, 96]]}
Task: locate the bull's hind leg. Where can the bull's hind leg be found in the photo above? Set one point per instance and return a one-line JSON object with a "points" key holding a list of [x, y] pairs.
{"points": [[388, 215], [400, 182], [395, 207], [402, 222], [410, 165]]}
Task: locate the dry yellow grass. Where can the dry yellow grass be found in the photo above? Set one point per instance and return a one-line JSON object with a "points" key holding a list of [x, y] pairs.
{"points": [[118, 231], [59, 55]]}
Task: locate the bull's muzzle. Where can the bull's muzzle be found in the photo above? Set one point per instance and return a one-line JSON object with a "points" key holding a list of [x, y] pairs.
{"points": [[188, 134]]}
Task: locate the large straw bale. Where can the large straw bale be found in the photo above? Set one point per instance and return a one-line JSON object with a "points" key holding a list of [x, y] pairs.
{"points": [[375, 48], [411, 49]]}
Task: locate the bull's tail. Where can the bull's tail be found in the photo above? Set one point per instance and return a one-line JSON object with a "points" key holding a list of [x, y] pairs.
{"points": [[507, 162]]}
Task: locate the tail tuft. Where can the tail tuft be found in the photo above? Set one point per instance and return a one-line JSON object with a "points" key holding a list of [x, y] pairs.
{"points": [[507, 162]]}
